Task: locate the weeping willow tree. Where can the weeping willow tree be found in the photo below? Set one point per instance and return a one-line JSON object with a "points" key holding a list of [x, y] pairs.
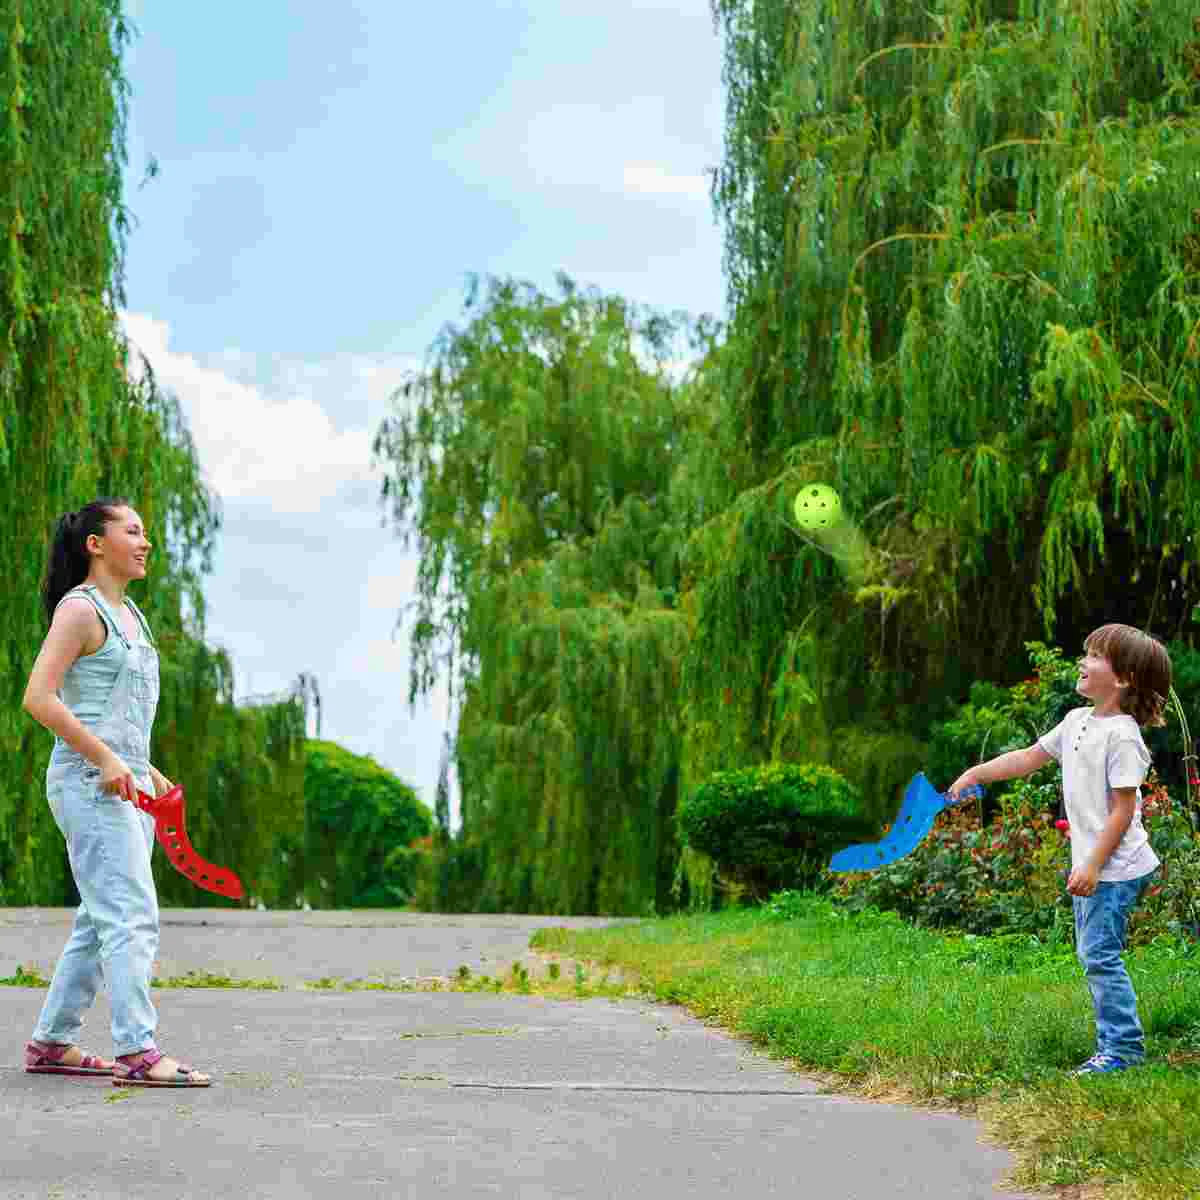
{"points": [[77, 422], [530, 463], [569, 734], [962, 246]]}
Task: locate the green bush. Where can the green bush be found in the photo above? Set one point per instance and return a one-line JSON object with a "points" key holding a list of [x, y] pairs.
{"points": [[773, 826], [1170, 905], [995, 720], [362, 823]]}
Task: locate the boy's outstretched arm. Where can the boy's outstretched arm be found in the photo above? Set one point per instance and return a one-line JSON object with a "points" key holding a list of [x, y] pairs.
{"points": [[1004, 766]]}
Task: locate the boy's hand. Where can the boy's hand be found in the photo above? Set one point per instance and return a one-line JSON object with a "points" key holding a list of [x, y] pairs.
{"points": [[965, 780], [1083, 880]]}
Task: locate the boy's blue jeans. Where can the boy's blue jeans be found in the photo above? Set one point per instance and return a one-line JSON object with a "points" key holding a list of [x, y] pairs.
{"points": [[1100, 923]]}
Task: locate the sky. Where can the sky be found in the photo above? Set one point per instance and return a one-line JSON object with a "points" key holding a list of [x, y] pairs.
{"points": [[328, 177]]}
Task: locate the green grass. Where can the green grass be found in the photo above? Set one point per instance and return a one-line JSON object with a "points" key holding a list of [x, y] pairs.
{"points": [[988, 1025], [193, 979]]}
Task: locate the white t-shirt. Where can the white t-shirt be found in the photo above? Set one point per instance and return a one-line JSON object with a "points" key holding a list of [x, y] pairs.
{"points": [[1097, 755]]}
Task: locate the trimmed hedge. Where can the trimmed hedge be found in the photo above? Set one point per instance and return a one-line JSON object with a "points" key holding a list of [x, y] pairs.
{"points": [[362, 823], [773, 826]]}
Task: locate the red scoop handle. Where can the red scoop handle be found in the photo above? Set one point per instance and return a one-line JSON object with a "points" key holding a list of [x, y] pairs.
{"points": [[168, 813]]}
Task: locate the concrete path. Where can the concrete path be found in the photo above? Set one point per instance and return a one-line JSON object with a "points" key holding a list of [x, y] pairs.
{"points": [[385, 946], [377, 1094]]}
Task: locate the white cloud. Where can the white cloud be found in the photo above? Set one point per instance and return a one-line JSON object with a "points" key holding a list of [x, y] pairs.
{"points": [[305, 577], [391, 590], [254, 443], [653, 180]]}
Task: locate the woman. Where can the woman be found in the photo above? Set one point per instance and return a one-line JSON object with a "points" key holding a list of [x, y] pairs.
{"points": [[95, 687]]}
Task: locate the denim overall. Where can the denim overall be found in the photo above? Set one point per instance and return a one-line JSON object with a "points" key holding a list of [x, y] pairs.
{"points": [[114, 693]]}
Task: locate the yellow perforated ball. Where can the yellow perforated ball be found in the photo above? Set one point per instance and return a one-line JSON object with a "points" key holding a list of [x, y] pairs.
{"points": [[817, 506]]}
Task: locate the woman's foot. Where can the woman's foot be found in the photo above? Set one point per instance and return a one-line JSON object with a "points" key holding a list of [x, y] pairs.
{"points": [[63, 1058], [149, 1068]]}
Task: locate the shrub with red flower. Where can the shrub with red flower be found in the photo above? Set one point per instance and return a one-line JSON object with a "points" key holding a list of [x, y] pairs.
{"points": [[1005, 875], [1009, 875], [1007, 872]]}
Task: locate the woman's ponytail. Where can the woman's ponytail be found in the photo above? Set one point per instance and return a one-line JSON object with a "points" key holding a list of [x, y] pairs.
{"points": [[69, 563]]}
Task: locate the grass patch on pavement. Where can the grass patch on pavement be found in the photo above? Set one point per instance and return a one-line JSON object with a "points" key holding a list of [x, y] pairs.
{"points": [[989, 1025], [554, 985], [210, 979], [31, 978], [25, 978], [579, 984]]}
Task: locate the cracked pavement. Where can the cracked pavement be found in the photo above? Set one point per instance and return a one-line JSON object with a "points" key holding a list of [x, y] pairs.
{"points": [[363, 1094]]}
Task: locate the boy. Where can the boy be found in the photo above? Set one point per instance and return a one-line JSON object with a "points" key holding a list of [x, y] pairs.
{"points": [[1126, 674]]}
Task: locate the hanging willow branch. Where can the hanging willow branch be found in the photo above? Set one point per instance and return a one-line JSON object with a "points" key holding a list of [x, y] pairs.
{"points": [[866, 62], [1005, 401]]}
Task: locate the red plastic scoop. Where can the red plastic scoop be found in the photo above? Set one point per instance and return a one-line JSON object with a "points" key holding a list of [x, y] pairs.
{"points": [[167, 811]]}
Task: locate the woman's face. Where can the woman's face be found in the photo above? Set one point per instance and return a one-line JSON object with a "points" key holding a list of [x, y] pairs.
{"points": [[124, 546]]}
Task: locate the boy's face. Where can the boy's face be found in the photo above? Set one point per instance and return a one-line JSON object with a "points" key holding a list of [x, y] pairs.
{"points": [[1097, 680]]}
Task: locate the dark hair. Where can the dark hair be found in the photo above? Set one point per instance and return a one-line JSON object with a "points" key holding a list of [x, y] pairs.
{"points": [[1143, 662], [69, 562]]}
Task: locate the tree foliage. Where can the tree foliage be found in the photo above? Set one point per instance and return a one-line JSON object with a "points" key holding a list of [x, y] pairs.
{"points": [[530, 462], [962, 248], [361, 820], [242, 767], [961, 243], [79, 419]]}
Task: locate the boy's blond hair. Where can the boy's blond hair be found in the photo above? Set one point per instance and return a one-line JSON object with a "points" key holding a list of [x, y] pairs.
{"points": [[1142, 662]]}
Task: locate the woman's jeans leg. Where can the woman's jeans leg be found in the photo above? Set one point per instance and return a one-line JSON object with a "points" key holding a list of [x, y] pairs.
{"points": [[76, 980], [1100, 924], [109, 842]]}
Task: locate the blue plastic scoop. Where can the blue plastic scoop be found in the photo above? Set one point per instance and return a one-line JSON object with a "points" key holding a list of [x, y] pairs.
{"points": [[912, 823]]}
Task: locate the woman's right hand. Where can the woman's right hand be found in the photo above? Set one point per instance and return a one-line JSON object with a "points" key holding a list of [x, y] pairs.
{"points": [[117, 778]]}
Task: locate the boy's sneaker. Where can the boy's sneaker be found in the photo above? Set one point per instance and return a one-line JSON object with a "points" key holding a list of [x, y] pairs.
{"points": [[1101, 1064]]}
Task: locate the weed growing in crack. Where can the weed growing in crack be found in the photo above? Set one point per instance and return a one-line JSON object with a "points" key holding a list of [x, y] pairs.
{"points": [[25, 978]]}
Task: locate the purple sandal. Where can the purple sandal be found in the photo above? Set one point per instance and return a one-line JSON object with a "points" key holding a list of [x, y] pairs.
{"points": [[139, 1076], [45, 1058]]}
